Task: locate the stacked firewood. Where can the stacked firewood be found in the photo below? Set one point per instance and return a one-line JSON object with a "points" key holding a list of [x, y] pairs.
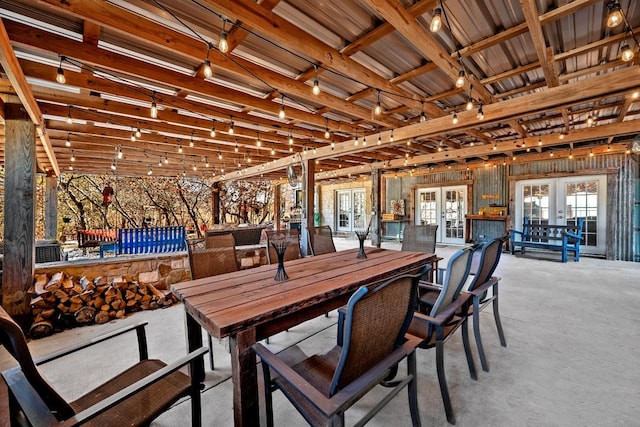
{"points": [[60, 301]]}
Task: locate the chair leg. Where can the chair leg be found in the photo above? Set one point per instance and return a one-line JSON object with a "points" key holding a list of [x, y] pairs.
{"points": [[467, 350], [211, 352], [442, 379], [476, 334], [412, 389], [496, 316], [268, 400]]}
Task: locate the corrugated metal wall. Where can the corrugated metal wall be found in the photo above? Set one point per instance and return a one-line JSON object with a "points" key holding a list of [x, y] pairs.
{"points": [[627, 174], [494, 180]]}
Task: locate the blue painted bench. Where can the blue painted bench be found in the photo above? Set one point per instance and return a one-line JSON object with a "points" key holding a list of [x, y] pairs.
{"points": [[151, 240], [563, 238]]}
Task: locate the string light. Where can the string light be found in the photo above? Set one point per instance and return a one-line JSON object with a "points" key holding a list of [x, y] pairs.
{"points": [[223, 45], [571, 154], [480, 115], [206, 67], [191, 141], [379, 139], [539, 140], [378, 109], [258, 141], [206, 162], [236, 147], [230, 131], [113, 166], [626, 53], [150, 171], [281, 114], [327, 134], [219, 155], [391, 136], [69, 119], [423, 118], [436, 20], [180, 148], [133, 136], [154, 107], [67, 143], [591, 152], [290, 139], [166, 160], [160, 162], [461, 79], [60, 73], [120, 153], [454, 120], [138, 133], [316, 85], [73, 157], [615, 17], [213, 128]]}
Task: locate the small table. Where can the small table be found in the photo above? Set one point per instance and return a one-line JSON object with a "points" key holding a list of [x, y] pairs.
{"points": [[401, 223], [469, 218], [250, 305]]}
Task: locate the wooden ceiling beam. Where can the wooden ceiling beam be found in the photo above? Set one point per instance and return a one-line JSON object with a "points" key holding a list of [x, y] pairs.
{"points": [[15, 75], [545, 54]]}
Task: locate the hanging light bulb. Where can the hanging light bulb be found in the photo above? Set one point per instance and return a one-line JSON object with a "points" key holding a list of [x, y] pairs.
{"points": [[455, 118], [133, 136], [180, 148], [391, 136], [436, 20], [461, 79], [159, 163], [150, 171], [223, 45], [378, 110], [316, 85], [69, 119], [113, 166], [364, 139], [230, 131], [291, 149], [120, 153], [333, 145], [590, 120], [236, 147], [281, 114], [219, 155], [73, 157], [469, 105], [562, 135], [379, 139], [213, 128], [327, 134], [539, 141], [626, 53], [70, 167], [206, 67], [60, 73], [615, 17], [290, 139], [273, 151], [138, 133], [258, 141], [191, 141], [480, 115], [570, 154], [67, 143], [154, 107], [591, 152], [166, 160]]}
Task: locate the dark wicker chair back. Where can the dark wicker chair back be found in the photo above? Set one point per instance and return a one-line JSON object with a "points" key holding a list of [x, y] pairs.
{"points": [[455, 278], [321, 239], [293, 250], [376, 322], [212, 256], [419, 238]]}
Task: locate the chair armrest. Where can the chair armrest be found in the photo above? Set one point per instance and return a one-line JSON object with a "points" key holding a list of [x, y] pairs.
{"points": [[442, 317], [429, 286], [572, 235], [100, 407], [139, 327], [34, 408], [493, 281]]}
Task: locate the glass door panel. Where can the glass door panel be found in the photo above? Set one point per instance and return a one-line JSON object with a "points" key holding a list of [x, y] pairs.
{"points": [[444, 207]]}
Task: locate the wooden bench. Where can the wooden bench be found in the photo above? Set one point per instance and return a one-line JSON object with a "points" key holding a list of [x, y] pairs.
{"points": [[92, 238], [244, 236], [563, 238], [151, 240]]}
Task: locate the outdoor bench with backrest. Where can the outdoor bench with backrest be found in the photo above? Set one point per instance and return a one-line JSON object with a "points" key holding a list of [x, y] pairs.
{"points": [[92, 238], [563, 238], [151, 240]]}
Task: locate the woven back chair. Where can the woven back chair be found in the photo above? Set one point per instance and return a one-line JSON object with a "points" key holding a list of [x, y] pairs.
{"points": [[216, 254], [33, 401], [419, 238], [323, 386], [293, 250], [483, 280], [445, 318], [212, 256], [321, 239]]}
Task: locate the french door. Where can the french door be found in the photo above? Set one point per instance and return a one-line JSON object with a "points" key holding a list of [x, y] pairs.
{"points": [[351, 210], [444, 207], [563, 201]]}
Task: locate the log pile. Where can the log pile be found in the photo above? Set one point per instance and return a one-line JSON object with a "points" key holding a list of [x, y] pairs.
{"points": [[60, 302]]}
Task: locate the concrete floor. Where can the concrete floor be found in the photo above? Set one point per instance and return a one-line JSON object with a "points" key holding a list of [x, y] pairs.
{"points": [[573, 335]]}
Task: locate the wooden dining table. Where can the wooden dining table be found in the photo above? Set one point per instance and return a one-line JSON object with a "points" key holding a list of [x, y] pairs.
{"points": [[249, 305]]}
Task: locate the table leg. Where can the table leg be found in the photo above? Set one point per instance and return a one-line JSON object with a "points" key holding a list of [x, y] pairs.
{"points": [[196, 369], [246, 408]]}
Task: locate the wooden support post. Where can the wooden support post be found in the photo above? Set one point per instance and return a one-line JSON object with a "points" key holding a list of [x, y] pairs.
{"points": [[277, 207], [19, 218], [376, 196], [215, 202], [307, 207], [51, 207]]}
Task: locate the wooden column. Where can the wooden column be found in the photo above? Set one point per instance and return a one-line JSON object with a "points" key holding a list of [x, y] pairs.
{"points": [[376, 197], [51, 207], [19, 217], [215, 202], [277, 208], [308, 201]]}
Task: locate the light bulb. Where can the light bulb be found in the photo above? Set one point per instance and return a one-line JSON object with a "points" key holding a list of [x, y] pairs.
{"points": [[73, 157], [379, 140], [423, 118], [138, 133], [436, 20], [378, 109], [282, 114], [290, 139], [69, 119], [213, 129], [133, 137], [150, 171], [480, 115], [223, 45], [455, 118], [119, 153], [154, 110], [191, 142], [180, 148], [316, 87], [391, 136], [469, 105], [219, 155], [626, 53], [460, 80], [166, 160], [206, 68], [615, 17], [231, 127], [258, 142], [113, 166], [60, 76], [67, 143], [327, 134]]}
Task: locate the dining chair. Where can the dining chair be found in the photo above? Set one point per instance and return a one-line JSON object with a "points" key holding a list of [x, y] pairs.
{"points": [[134, 397], [422, 238], [213, 255], [483, 281], [293, 250], [323, 386], [321, 240], [444, 318]]}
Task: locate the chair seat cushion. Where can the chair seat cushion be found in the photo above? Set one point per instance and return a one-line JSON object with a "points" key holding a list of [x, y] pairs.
{"points": [[142, 407]]}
